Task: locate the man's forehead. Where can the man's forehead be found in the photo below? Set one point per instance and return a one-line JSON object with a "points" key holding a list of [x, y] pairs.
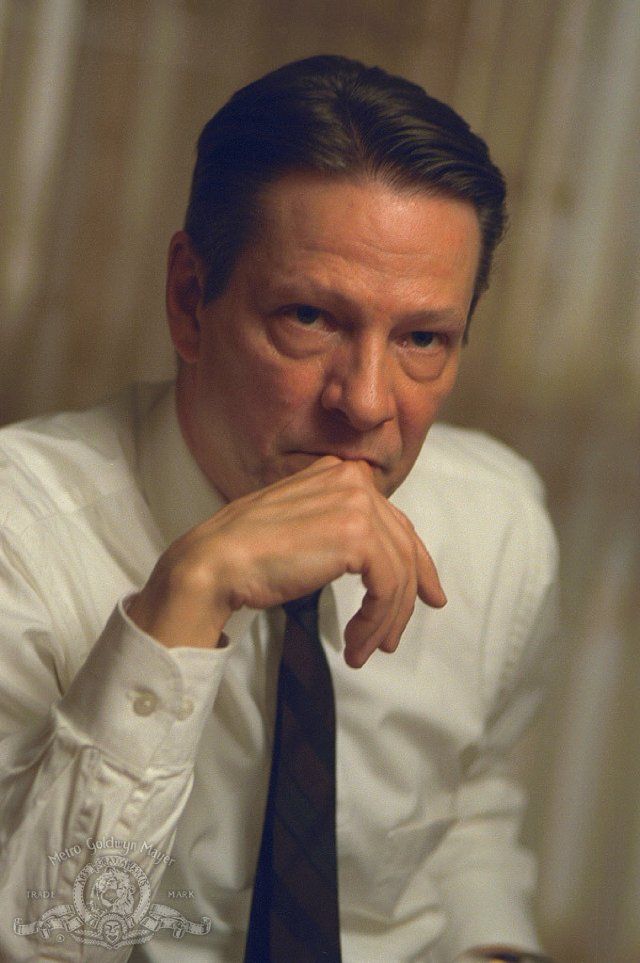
{"points": [[314, 209], [365, 219], [362, 249]]}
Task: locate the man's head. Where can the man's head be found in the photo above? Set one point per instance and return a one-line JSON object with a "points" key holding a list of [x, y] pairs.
{"points": [[339, 233], [335, 117]]}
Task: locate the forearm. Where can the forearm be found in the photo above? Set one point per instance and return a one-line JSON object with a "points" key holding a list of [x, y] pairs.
{"points": [[79, 807], [109, 770]]}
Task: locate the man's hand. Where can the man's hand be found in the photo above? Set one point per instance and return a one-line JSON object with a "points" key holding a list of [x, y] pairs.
{"points": [[283, 542]]}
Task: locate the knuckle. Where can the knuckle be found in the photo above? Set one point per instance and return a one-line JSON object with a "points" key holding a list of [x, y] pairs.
{"points": [[359, 500], [405, 524], [390, 593], [356, 524], [390, 588], [411, 546]]}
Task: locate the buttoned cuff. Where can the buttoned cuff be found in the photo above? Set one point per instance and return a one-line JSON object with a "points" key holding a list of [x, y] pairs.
{"points": [[142, 703]]}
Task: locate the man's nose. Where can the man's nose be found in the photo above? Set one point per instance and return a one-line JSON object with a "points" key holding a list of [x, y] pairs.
{"points": [[358, 383]]}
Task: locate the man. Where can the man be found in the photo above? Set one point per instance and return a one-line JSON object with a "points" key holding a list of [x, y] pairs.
{"points": [[339, 234]]}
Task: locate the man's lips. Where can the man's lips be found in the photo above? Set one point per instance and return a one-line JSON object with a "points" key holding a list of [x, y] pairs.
{"points": [[344, 455]]}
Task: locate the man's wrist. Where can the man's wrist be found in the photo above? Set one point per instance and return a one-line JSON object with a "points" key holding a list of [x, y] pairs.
{"points": [[175, 626]]}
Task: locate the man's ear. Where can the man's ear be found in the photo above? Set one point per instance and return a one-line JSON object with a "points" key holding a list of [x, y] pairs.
{"points": [[185, 288]]}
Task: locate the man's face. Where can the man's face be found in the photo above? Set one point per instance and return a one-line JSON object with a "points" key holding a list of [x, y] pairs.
{"points": [[339, 333]]}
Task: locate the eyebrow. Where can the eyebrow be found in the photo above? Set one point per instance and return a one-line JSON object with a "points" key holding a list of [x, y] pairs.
{"points": [[308, 291], [435, 317]]}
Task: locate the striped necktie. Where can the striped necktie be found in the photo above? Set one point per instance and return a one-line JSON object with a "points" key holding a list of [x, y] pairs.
{"points": [[294, 912]]}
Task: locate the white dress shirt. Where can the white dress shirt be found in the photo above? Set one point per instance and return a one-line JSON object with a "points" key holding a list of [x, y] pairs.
{"points": [[165, 754]]}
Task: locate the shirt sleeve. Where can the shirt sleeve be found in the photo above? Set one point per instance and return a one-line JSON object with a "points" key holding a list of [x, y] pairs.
{"points": [[485, 877], [109, 759]]}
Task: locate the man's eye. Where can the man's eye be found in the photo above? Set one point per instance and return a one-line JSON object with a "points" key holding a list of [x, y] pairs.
{"points": [[423, 339], [306, 314]]}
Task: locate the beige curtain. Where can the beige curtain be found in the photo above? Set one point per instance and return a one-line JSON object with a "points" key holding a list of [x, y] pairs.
{"points": [[100, 105]]}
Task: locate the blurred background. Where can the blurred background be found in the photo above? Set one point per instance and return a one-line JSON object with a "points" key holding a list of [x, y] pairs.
{"points": [[101, 102]]}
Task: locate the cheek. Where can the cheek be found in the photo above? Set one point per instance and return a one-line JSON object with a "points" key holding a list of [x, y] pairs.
{"points": [[439, 390], [419, 409], [284, 386], [276, 396], [418, 413], [282, 394]]}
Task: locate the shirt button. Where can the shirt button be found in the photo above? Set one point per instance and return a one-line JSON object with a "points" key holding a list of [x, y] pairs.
{"points": [[145, 702], [185, 710]]}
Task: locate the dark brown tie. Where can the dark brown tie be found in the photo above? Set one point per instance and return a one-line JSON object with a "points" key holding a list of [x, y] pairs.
{"points": [[294, 912]]}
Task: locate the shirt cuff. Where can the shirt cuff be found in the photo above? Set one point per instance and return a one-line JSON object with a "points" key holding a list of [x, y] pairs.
{"points": [[141, 702]]}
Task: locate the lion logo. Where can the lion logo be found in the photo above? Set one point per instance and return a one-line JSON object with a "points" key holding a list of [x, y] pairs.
{"points": [[112, 908], [113, 891]]}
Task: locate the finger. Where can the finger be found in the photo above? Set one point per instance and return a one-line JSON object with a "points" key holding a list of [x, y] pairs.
{"points": [[374, 622], [429, 586], [392, 585], [401, 535], [391, 634], [369, 629], [385, 610], [363, 631], [357, 652]]}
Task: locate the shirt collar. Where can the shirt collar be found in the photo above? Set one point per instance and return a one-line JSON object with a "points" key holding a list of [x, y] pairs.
{"points": [[178, 493]]}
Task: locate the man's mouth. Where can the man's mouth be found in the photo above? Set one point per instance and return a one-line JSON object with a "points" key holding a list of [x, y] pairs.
{"points": [[344, 455]]}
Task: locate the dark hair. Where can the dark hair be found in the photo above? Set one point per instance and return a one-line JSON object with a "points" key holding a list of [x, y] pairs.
{"points": [[336, 117]]}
